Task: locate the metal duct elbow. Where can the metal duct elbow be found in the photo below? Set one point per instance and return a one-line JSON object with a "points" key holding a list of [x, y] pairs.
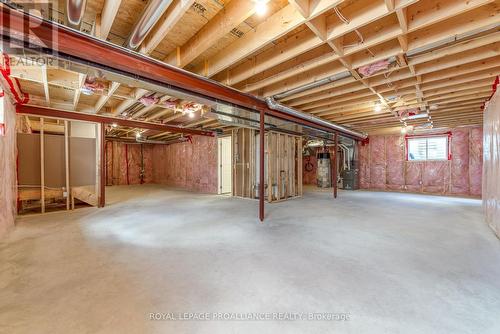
{"points": [[272, 104], [74, 13], [151, 14]]}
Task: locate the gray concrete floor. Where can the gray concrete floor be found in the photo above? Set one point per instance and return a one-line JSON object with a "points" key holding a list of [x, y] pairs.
{"points": [[396, 263]]}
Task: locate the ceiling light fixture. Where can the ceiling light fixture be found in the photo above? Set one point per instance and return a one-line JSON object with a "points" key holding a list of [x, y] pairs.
{"points": [[138, 135], [86, 91], [260, 7], [114, 125], [191, 114], [378, 107]]}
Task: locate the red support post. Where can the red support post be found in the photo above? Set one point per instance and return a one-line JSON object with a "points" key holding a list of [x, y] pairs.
{"points": [[334, 176], [102, 189], [261, 168]]}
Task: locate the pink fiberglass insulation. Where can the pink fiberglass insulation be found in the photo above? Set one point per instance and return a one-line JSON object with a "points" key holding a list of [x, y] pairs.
{"points": [[109, 163], [149, 100], [120, 155], [435, 177], [394, 146], [377, 162], [413, 176], [364, 165], [383, 165], [460, 162], [475, 161], [375, 67], [191, 166]]}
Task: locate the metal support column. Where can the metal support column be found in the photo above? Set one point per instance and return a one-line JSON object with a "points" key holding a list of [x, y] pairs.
{"points": [[261, 167], [334, 176], [102, 192]]}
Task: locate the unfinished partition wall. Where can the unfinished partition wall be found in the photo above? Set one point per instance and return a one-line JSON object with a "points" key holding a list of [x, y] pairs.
{"points": [[8, 189], [383, 166], [283, 164], [57, 163], [128, 163], [190, 165], [491, 168]]}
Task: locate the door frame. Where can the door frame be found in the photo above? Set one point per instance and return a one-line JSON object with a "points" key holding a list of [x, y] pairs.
{"points": [[219, 164]]}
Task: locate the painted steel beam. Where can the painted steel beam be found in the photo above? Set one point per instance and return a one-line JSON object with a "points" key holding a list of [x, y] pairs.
{"points": [[77, 46], [78, 116]]}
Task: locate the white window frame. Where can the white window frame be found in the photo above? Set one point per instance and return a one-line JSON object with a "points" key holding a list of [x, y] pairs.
{"points": [[426, 138]]}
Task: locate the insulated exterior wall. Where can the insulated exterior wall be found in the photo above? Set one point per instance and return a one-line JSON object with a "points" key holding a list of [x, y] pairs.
{"points": [[383, 166], [491, 159], [124, 163], [8, 186], [190, 166]]}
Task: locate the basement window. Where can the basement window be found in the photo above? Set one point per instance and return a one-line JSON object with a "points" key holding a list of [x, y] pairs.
{"points": [[427, 148]]}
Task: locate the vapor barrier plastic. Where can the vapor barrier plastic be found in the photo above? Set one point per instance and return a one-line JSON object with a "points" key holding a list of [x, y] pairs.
{"points": [[383, 166], [491, 163]]}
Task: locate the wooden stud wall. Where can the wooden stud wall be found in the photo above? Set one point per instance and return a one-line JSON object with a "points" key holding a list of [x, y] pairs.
{"points": [[283, 173]]}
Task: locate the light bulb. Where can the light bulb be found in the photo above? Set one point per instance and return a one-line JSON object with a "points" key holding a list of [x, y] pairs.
{"points": [[114, 125], [138, 135], [191, 115], [260, 7], [378, 107]]}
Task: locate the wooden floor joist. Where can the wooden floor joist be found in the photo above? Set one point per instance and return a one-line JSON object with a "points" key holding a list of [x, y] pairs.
{"points": [[439, 53]]}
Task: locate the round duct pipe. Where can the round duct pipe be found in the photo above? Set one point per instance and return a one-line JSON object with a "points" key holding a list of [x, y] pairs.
{"points": [[152, 13], [272, 104], [74, 13]]}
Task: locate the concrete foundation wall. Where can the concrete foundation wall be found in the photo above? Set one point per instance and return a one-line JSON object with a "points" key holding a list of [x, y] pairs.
{"points": [[383, 166], [191, 166], [8, 183]]}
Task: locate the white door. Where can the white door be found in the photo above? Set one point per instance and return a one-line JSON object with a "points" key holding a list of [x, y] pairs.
{"points": [[225, 165]]}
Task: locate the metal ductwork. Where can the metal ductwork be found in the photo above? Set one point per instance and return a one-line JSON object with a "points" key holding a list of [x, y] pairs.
{"points": [[312, 85], [151, 14], [452, 40], [272, 104], [324, 81], [74, 13]]}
